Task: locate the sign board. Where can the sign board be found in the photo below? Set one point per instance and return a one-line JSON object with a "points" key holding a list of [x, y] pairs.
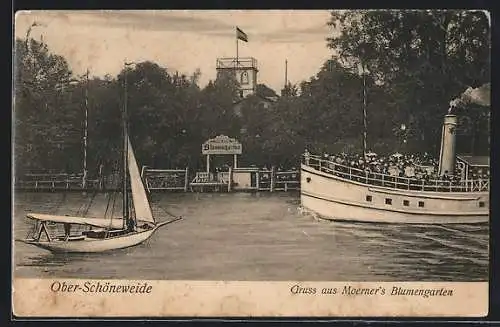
{"points": [[221, 145]]}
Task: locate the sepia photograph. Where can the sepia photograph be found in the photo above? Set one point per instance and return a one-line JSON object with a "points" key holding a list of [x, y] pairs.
{"points": [[257, 147]]}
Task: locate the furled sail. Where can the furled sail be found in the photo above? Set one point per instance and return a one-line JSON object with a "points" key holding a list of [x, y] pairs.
{"points": [[141, 203]]}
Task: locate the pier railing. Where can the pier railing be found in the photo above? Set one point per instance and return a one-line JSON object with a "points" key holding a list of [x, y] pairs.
{"points": [[56, 181], [275, 180], [262, 180], [207, 178], [287, 180], [165, 179], [395, 182]]}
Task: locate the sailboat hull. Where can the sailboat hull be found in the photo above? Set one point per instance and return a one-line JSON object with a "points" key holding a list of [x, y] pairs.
{"points": [[90, 245]]}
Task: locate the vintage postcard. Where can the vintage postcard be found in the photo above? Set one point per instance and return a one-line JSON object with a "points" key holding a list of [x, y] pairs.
{"points": [[330, 163]]}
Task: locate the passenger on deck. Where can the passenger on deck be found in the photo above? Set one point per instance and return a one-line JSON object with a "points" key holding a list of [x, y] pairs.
{"points": [[412, 166]]}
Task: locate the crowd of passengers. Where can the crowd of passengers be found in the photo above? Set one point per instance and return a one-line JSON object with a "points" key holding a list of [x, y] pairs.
{"points": [[423, 167]]}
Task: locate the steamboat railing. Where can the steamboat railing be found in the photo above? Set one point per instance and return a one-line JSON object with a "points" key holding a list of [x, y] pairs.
{"points": [[395, 182]]}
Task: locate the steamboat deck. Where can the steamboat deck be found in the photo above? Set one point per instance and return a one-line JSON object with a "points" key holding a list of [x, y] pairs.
{"points": [[339, 192]]}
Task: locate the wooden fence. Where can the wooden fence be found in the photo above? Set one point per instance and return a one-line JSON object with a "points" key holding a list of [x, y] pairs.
{"points": [[270, 180]]}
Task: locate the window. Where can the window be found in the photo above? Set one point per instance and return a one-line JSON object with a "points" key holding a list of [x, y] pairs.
{"points": [[308, 179], [244, 78], [388, 201], [421, 204], [406, 203], [481, 204], [369, 198]]}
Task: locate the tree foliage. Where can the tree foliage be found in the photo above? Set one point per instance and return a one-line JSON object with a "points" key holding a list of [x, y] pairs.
{"points": [[43, 106], [415, 63], [424, 58]]}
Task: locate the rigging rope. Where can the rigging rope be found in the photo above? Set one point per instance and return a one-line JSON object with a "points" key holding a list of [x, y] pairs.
{"points": [[89, 204], [107, 204], [113, 206], [55, 209], [32, 231], [168, 213], [112, 197], [112, 212], [79, 209]]}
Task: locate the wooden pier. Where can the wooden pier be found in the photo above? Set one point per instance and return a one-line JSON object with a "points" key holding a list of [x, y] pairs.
{"points": [[250, 179], [165, 179], [57, 182]]}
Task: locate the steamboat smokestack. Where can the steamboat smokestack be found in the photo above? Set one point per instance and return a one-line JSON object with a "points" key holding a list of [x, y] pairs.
{"points": [[447, 154]]}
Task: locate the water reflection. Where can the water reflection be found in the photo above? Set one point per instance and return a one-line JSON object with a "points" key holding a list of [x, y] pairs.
{"points": [[53, 259]]}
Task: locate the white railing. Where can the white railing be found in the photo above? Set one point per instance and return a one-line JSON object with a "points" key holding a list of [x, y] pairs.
{"points": [[287, 180], [56, 181], [165, 179], [205, 177], [395, 182]]}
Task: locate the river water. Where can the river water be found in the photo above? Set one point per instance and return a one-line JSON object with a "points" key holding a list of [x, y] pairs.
{"points": [[256, 237]]}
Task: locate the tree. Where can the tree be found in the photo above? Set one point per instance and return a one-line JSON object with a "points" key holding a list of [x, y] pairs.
{"points": [[46, 130], [216, 102], [424, 59], [162, 109], [333, 107], [265, 91], [289, 90]]}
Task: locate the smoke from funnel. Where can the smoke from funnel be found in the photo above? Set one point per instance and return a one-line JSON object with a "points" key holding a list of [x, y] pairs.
{"points": [[480, 95]]}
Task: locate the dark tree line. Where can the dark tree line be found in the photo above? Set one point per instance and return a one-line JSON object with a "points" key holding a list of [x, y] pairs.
{"points": [[423, 59], [415, 63]]}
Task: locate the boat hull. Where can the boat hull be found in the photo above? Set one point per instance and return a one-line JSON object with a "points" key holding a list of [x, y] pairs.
{"points": [[89, 245], [333, 198]]}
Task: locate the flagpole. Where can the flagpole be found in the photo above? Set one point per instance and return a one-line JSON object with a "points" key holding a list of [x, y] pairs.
{"points": [[86, 127], [286, 72], [237, 63]]}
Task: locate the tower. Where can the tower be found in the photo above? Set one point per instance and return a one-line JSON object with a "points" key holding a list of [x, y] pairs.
{"points": [[243, 69]]}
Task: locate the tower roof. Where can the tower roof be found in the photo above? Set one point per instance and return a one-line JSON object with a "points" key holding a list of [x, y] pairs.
{"points": [[237, 63]]}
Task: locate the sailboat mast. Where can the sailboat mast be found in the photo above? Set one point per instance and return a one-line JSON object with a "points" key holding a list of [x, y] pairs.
{"points": [[125, 154]]}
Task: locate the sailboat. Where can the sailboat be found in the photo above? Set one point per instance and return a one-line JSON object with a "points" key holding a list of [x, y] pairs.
{"points": [[102, 234]]}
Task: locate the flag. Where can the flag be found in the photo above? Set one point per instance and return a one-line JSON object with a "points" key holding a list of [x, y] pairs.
{"points": [[241, 35]]}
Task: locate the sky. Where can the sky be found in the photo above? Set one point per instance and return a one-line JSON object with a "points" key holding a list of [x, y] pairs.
{"points": [[185, 40]]}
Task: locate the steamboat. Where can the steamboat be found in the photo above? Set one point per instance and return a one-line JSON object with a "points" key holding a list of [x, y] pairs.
{"points": [[334, 191]]}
